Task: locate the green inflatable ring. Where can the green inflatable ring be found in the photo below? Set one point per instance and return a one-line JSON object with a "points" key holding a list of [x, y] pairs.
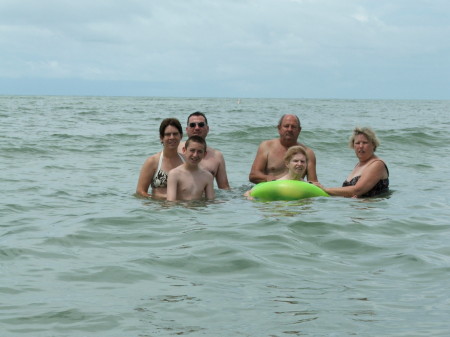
{"points": [[286, 190]]}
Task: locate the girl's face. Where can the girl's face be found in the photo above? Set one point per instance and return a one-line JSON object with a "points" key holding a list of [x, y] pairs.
{"points": [[297, 164]]}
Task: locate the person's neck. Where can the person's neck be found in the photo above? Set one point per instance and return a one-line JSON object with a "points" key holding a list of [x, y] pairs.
{"points": [[365, 162], [169, 152], [191, 167], [295, 176], [287, 144]]}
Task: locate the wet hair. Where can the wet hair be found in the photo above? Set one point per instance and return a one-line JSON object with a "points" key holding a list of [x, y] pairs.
{"points": [[197, 113], [282, 117], [195, 139], [293, 150], [368, 133], [170, 121]]}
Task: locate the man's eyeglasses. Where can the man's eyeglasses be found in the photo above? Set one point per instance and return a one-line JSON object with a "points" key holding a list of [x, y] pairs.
{"points": [[200, 125]]}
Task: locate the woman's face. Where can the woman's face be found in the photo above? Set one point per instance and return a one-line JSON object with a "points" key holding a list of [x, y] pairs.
{"points": [[297, 164], [172, 137], [364, 149]]}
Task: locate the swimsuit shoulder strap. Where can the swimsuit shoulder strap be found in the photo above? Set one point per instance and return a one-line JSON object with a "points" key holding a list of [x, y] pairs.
{"points": [[160, 161], [383, 164], [159, 165]]}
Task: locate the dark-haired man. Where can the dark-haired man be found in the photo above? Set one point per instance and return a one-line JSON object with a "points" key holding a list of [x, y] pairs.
{"points": [[214, 162]]}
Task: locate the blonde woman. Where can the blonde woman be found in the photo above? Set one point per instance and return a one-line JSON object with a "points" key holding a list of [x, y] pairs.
{"points": [[370, 176], [296, 161]]}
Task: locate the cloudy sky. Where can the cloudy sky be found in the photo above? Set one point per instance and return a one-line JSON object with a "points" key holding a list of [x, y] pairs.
{"points": [[394, 49]]}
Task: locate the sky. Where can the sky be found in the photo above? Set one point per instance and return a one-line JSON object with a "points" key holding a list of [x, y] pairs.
{"points": [[348, 49]]}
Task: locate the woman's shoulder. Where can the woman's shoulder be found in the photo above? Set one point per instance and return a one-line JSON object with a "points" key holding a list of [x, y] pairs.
{"points": [[153, 159], [379, 166], [378, 162]]}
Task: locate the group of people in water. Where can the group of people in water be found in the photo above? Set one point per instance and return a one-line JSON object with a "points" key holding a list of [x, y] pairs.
{"points": [[186, 171]]}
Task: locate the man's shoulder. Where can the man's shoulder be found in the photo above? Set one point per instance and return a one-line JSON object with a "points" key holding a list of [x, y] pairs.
{"points": [[307, 148], [206, 174], [269, 143], [205, 171], [213, 153], [211, 149]]}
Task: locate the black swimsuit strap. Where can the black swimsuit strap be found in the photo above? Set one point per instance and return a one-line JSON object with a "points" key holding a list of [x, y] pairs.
{"points": [[387, 170]]}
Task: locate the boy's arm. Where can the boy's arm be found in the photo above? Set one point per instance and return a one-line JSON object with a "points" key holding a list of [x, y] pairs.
{"points": [[209, 189], [171, 186], [145, 176]]}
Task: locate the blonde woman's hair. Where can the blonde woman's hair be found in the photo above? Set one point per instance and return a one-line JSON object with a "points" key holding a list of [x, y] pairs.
{"points": [[368, 132]]}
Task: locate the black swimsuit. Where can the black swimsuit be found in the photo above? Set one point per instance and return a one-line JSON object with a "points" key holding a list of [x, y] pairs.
{"points": [[381, 186]]}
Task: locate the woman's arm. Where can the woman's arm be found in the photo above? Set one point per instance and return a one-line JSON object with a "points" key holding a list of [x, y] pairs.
{"points": [[370, 176], [146, 175]]}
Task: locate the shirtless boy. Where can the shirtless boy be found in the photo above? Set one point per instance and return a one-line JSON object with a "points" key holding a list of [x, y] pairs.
{"points": [[189, 181]]}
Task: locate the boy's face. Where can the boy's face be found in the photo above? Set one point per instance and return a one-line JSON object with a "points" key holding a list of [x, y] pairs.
{"points": [[195, 152]]}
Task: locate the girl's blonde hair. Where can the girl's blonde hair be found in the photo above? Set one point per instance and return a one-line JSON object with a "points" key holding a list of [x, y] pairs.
{"points": [[293, 150]]}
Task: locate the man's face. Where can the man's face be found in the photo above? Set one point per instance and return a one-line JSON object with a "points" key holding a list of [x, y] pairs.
{"points": [[197, 127], [289, 129]]}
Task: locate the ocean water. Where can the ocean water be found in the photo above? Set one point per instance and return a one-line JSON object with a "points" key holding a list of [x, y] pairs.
{"points": [[80, 255]]}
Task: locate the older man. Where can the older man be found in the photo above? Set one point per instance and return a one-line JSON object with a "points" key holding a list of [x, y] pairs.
{"points": [[269, 164], [214, 162]]}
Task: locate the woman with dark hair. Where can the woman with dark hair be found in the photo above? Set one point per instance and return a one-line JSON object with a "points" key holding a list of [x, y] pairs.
{"points": [[370, 177], [155, 168]]}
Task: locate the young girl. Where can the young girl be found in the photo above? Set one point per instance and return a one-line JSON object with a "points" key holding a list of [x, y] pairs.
{"points": [[296, 160]]}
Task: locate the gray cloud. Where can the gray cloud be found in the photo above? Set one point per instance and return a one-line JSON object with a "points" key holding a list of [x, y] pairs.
{"points": [[258, 48]]}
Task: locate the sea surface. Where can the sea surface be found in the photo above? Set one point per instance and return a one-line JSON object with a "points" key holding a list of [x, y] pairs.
{"points": [[81, 255]]}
